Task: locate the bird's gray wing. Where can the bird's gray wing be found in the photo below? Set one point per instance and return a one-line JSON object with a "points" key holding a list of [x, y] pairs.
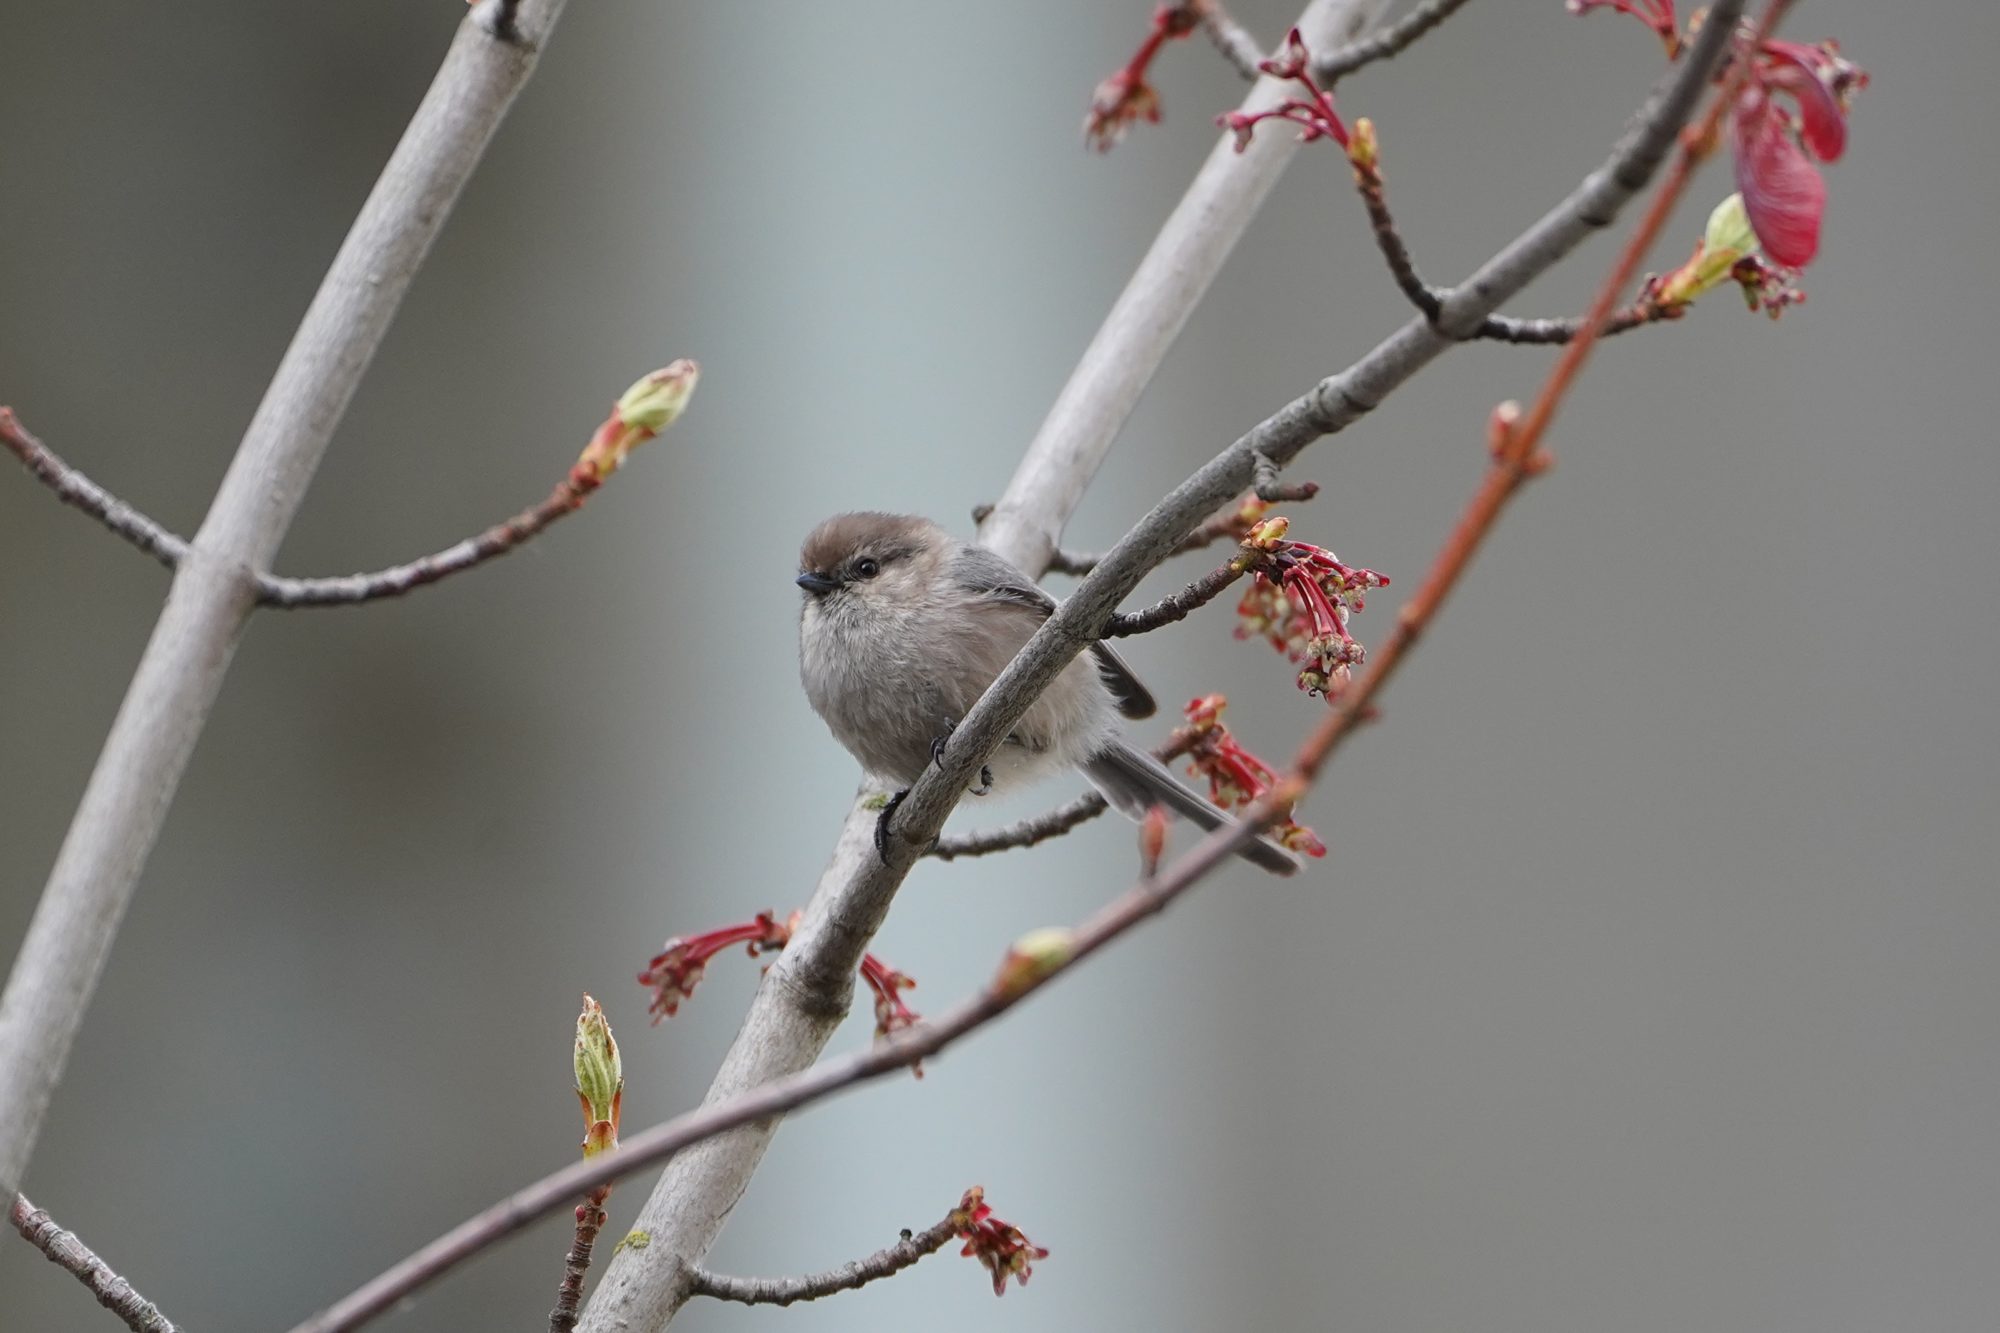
{"points": [[983, 571]]}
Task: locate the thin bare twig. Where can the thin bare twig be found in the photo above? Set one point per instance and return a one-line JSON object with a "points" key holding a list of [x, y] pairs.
{"points": [[346, 589], [1385, 44], [1365, 158], [80, 492], [848, 1277], [1230, 37], [752, 1089], [1179, 606], [1025, 833], [74, 488], [64, 1250], [214, 588], [1042, 827], [613, 440], [1230, 525], [576, 1265]]}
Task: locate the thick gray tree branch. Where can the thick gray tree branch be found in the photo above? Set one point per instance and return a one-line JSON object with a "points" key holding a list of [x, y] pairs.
{"points": [[215, 584], [807, 992]]}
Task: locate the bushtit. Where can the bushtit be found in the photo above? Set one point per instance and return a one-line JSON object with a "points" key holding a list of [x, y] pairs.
{"points": [[902, 630]]}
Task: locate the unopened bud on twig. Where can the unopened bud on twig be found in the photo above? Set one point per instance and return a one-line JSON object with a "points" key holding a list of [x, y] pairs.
{"points": [[600, 1079], [641, 412], [1034, 956]]}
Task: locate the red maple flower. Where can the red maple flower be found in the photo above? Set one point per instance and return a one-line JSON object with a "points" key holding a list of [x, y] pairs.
{"points": [[1125, 98], [677, 968], [1299, 598], [1314, 114], [1235, 776], [891, 1014], [998, 1245]]}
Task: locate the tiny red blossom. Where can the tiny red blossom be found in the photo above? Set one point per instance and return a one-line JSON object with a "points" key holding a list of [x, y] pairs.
{"points": [[1125, 98], [1235, 776], [999, 1245], [1314, 114], [1299, 598], [677, 968], [891, 1014]]}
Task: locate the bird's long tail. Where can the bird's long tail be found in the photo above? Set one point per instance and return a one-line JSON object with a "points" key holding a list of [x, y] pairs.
{"points": [[1133, 782]]}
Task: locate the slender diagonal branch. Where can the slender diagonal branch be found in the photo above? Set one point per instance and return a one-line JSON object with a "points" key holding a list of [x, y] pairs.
{"points": [[848, 1277], [1179, 606], [214, 588], [1327, 407], [346, 589], [1042, 827], [1025, 833], [1392, 40], [1230, 37], [80, 492], [64, 1250], [643, 411]]}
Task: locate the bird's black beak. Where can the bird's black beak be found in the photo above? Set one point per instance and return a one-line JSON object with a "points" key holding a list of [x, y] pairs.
{"points": [[817, 584]]}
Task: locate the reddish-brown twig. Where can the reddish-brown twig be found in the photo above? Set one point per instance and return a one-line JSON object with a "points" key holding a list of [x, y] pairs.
{"points": [[288, 594], [576, 1265], [64, 1250]]}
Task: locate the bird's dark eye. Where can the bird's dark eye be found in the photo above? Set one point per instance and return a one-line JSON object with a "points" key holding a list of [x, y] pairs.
{"points": [[865, 568]]}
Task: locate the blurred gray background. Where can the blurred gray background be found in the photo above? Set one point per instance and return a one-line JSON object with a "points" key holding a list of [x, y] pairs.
{"points": [[1648, 985]]}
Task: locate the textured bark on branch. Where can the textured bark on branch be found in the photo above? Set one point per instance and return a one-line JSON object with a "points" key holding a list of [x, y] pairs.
{"points": [[215, 586], [64, 1250], [848, 1277]]}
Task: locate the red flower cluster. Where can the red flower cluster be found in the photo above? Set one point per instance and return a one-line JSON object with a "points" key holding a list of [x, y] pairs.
{"points": [[674, 972], [998, 1245], [1299, 598], [1235, 776], [1315, 115], [891, 1014], [1126, 98]]}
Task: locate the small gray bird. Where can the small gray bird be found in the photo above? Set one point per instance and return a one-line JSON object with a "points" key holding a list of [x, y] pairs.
{"points": [[902, 630]]}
